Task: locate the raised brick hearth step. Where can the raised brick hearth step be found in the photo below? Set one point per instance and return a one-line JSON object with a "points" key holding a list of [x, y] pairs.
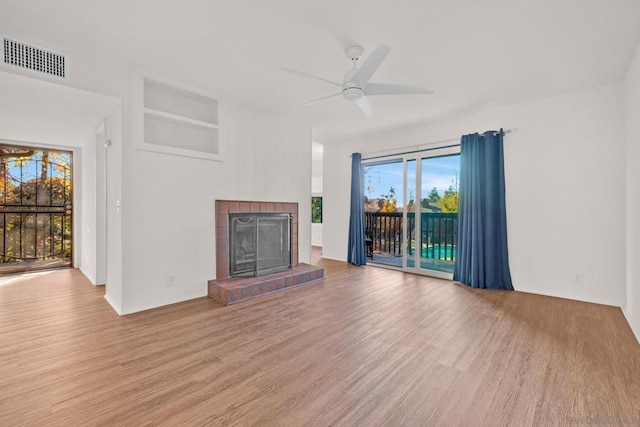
{"points": [[236, 289]]}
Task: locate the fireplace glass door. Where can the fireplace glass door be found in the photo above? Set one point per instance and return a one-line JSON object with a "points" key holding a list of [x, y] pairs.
{"points": [[259, 244]]}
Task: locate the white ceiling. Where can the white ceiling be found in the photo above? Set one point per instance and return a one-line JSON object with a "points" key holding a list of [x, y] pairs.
{"points": [[476, 54]]}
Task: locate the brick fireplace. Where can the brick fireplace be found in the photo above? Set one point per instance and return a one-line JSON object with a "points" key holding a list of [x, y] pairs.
{"points": [[230, 290]]}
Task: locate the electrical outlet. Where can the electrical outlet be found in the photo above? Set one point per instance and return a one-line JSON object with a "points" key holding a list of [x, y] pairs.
{"points": [[171, 280], [578, 279]]}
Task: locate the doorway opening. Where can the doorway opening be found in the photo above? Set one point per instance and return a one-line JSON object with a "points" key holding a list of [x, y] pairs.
{"points": [[36, 209]]}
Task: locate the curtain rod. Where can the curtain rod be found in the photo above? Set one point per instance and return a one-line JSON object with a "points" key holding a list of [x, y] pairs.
{"points": [[423, 149]]}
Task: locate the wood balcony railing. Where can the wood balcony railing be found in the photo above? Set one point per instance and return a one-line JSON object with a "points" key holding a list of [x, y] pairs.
{"points": [[439, 232]]}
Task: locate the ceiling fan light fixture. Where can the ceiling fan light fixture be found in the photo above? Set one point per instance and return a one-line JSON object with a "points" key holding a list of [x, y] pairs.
{"points": [[352, 93]]}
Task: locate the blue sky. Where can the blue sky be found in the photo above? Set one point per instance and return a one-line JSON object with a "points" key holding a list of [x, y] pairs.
{"points": [[437, 172], [31, 169]]}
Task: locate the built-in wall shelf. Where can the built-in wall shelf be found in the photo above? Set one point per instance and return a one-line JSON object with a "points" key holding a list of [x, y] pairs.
{"points": [[176, 117], [178, 120]]}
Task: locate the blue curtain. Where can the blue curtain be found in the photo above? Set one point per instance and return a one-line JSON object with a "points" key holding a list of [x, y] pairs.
{"points": [[482, 259], [357, 254]]}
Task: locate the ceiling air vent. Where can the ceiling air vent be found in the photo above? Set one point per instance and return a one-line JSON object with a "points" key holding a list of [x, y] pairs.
{"points": [[29, 57]]}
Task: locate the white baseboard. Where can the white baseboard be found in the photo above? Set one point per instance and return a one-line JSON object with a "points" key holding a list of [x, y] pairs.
{"points": [[87, 276], [158, 304], [332, 259], [567, 296], [113, 305], [635, 328]]}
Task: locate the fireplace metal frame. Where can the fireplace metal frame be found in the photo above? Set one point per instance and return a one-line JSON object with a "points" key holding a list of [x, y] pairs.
{"points": [[256, 271]]}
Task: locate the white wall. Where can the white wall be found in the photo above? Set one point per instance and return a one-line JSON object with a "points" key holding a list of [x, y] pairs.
{"points": [[85, 182], [169, 203], [316, 234], [115, 280], [565, 171], [336, 186], [632, 90], [100, 191]]}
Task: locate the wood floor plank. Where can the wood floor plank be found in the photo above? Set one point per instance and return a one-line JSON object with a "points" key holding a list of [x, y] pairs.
{"points": [[366, 346]]}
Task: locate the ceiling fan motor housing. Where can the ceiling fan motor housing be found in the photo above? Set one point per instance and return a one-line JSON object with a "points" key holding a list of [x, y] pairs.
{"points": [[352, 93], [350, 89]]}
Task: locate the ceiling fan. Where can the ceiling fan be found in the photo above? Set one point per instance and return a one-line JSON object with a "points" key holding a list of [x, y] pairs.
{"points": [[356, 86]]}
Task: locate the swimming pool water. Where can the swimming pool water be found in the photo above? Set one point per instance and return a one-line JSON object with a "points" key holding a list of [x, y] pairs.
{"points": [[447, 252]]}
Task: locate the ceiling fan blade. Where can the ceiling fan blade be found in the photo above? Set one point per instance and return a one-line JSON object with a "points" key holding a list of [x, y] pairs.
{"points": [[300, 73], [392, 89], [371, 64], [320, 99], [365, 105]]}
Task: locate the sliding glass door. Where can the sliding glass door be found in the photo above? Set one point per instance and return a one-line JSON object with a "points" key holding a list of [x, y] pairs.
{"points": [[411, 211], [438, 213], [383, 206]]}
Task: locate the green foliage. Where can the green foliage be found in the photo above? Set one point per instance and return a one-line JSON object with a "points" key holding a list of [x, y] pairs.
{"points": [[316, 210], [449, 201], [434, 196]]}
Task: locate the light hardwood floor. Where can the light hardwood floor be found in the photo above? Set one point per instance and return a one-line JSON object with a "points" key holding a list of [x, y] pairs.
{"points": [[365, 347]]}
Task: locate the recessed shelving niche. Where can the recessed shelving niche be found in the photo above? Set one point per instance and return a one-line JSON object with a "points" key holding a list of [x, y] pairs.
{"points": [[179, 120]]}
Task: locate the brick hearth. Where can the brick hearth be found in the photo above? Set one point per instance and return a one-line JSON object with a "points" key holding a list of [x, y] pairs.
{"points": [[237, 289], [230, 290]]}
